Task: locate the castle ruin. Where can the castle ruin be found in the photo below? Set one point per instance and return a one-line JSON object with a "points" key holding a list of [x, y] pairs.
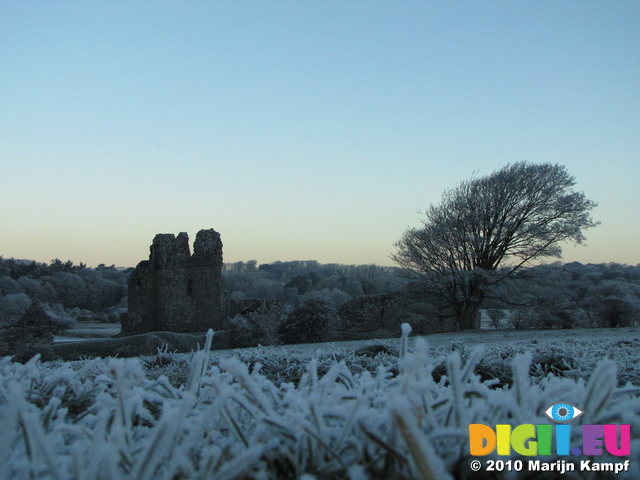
{"points": [[174, 290]]}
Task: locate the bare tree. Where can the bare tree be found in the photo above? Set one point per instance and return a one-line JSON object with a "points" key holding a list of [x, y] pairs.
{"points": [[516, 215], [496, 316], [520, 318]]}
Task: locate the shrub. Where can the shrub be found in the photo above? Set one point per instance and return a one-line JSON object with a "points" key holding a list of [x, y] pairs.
{"points": [[376, 349], [496, 316], [62, 321], [616, 312], [252, 329], [520, 318], [313, 321], [12, 307]]}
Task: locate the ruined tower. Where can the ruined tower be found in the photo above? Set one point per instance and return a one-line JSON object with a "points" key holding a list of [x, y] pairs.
{"points": [[174, 290]]}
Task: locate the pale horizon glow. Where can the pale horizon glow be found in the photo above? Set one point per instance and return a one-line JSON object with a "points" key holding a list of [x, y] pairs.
{"points": [[303, 130]]}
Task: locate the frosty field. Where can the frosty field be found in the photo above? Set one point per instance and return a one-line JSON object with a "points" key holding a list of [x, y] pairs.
{"points": [[392, 409]]}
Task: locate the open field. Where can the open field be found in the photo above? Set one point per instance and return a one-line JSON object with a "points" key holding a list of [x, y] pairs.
{"points": [[91, 330], [357, 410], [481, 337], [86, 330]]}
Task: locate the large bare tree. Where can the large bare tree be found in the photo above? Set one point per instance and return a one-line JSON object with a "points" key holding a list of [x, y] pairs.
{"points": [[508, 219]]}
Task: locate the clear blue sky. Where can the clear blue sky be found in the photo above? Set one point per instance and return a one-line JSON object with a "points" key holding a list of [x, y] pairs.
{"points": [[303, 129]]}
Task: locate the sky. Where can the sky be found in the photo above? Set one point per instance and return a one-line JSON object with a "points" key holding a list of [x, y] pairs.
{"points": [[303, 129]]}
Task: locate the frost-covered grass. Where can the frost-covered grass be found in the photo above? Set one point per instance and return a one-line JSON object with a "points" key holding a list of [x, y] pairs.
{"points": [[573, 358], [381, 411]]}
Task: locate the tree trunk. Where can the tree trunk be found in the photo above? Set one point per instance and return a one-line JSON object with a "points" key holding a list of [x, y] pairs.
{"points": [[469, 311], [469, 317]]}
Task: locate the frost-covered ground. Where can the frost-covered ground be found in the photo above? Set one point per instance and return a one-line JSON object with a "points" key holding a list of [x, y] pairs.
{"points": [[388, 409], [490, 337], [88, 330]]}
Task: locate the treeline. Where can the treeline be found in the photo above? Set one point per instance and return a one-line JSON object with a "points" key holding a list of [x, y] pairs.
{"points": [[568, 295], [302, 299], [291, 283], [68, 292], [76, 292], [313, 297], [554, 295], [549, 295]]}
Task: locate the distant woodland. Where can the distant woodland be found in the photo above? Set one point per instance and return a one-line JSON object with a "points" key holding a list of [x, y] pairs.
{"points": [[554, 295]]}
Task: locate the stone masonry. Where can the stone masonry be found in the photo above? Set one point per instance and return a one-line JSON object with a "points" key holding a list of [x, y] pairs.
{"points": [[174, 290]]}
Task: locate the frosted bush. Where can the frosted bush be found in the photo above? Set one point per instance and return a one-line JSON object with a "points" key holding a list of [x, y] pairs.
{"points": [[272, 414]]}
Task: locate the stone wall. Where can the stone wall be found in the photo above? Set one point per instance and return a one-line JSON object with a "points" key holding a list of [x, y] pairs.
{"points": [[174, 290]]}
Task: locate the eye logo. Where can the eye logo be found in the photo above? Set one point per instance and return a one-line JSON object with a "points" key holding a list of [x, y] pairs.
{"points": [[563, 412]]}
